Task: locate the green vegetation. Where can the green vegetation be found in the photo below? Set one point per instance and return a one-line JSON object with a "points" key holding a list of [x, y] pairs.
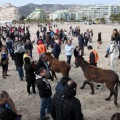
{"points": [[115, 18]]}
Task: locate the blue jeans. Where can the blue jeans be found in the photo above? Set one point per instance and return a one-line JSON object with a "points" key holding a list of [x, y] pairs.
{"points": [[10, 51], [20, 72], [69, 58], [108, 49], [44, 104]]}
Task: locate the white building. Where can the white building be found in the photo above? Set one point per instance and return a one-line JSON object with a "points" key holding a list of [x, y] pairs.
{"points": [[65, 15], [38, 14], [98, 11], [9, 13]]}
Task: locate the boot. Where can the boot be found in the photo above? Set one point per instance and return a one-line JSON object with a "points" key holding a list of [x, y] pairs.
{"points": [[106, 55], [3, 74]]}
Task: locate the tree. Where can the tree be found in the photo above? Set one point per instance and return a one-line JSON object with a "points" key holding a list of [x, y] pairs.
{"points": [[84, 18], [115, 18], [14, 21], [57, 20], [102, 20], [22, 17]]}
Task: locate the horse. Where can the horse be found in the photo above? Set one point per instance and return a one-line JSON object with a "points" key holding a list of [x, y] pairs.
{"points": [[99, 75], [57, 66], [114, 54]]}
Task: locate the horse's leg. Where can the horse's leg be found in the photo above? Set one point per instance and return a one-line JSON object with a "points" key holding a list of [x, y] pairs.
{"points": [[112, 92], [55, 76], [109, 97], [85, 82], [92, 87]]}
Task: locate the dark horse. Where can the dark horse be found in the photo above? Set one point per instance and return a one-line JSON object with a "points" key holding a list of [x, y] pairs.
{"points": [[58, 66], [99, 75]]}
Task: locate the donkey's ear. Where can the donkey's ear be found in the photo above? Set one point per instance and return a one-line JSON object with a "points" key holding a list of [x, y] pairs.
{"points": [[81, 57]]}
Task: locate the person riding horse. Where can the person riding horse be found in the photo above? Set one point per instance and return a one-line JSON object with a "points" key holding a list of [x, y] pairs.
{"points": [[108, 48]]}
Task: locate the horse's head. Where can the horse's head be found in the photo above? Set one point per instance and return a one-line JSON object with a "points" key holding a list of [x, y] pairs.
{"points": [[78, 61], [48, 57], [113, 46]]}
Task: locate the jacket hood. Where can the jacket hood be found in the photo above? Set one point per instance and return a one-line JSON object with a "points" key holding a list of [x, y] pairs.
{"points": [[19, 48]]}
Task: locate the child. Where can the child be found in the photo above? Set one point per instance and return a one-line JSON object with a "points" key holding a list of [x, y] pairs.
{"points": [[76, 53], [30, 76], [4, 62]]}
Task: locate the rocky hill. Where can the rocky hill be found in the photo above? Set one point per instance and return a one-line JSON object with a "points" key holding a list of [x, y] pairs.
{"points": [[27, 9]]}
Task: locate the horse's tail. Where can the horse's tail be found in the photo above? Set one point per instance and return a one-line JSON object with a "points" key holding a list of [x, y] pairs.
{"points": [[117, 83]]}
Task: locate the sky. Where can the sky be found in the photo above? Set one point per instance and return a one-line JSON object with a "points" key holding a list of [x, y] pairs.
{"points": [[81, 2]]}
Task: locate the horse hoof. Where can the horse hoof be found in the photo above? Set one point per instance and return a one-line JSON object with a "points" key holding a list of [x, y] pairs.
{"points": [[82, 88], [107, 99], [92, 93]]}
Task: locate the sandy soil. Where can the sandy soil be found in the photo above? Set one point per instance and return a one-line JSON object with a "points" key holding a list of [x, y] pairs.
{"points": [[94, 107]]}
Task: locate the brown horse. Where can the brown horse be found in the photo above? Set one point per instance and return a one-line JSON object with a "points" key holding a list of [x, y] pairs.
{"points": [[99, 75], [58, 66]]}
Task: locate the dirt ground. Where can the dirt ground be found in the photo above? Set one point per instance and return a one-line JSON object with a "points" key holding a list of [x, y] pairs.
{"points": [[94, 107]]}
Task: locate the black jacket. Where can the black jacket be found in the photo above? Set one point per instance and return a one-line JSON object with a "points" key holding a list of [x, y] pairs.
{"points": [[66, 107], [39, 64], [76, 53], [56, 49], [18, 57], [29, 71], [81, 40], [43, 86], [92, 59], [29, 46]]}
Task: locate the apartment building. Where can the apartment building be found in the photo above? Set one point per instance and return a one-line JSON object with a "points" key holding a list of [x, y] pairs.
{"points": [[38, 14], [9, 13], [98, 11]]}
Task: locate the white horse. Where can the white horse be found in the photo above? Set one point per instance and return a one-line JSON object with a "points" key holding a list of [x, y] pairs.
{"points": [[114, 54]]}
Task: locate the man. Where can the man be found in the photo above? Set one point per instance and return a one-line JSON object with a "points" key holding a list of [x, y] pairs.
{"points": [[93, 58], [56, 49], [18, 56], [9, 44], [65, 106], [41, 48], [38, 34], [42, 63], [81, 43], [87, 37], [45, 93], [28, 46]]}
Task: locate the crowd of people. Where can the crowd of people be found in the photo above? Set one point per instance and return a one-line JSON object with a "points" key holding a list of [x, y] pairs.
{"points": [[19, 46]]}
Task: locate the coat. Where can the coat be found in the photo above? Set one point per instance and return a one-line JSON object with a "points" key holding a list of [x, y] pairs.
{"points": [[29, 71], [81, 40], [56, 49]]}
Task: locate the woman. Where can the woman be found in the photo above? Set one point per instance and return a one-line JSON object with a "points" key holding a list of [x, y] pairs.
{"points": [[115, 36], [99, 40], [6, 101], [69, 50], [30, 76], [4, 61], [7, 108]]}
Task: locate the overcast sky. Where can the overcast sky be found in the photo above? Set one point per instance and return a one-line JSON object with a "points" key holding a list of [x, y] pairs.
{"points": [[82, 2]]}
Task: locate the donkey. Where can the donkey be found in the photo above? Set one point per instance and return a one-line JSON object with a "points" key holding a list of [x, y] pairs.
{"points": [[99, 75], [58, 66]]}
